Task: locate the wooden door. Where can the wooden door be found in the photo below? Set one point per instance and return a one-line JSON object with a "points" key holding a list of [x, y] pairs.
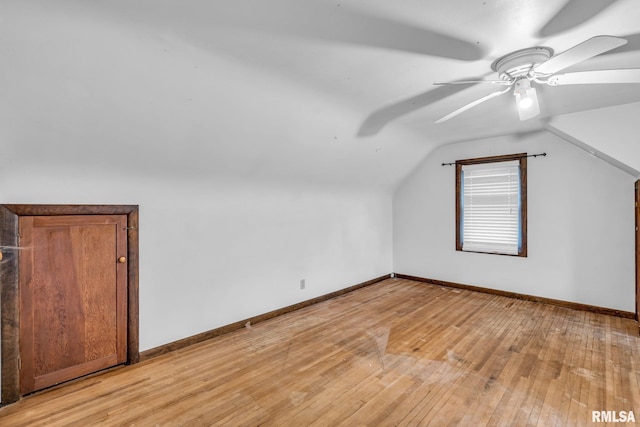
{"points": [[73, 297]]}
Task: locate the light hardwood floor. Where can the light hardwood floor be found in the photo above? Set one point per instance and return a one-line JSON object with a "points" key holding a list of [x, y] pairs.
{"points": [[397, 353]]}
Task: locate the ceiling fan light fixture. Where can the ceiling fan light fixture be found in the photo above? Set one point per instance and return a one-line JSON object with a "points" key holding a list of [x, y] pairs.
{"points": [[526, 99], [525, 102]]}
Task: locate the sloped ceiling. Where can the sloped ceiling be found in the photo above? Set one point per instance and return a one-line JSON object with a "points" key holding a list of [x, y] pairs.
{"points": [[338, 92]]}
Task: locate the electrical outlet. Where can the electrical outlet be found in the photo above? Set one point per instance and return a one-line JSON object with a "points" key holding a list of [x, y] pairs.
{"points": [[302, 284]]}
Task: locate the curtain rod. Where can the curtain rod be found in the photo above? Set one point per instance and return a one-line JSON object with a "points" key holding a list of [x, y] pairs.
{"points": [[515, 157]]}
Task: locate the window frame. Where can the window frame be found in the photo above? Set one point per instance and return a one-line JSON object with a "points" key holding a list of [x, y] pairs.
{"points": [[522, 159]]}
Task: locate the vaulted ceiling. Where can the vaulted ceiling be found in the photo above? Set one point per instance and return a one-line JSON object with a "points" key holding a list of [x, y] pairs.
{"points": [[338, 92]]}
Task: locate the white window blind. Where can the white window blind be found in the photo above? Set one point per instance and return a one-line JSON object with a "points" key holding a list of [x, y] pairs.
{"points": [[491, 207]]}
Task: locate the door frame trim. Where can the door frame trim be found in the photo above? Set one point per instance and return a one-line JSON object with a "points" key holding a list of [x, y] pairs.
{"points": [[637, 210], [10, 292]]}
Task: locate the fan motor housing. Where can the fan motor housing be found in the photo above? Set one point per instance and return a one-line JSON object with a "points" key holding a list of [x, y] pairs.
{"points": [[519, 63]]}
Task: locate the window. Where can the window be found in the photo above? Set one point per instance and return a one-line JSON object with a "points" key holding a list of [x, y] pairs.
{"points": [[491, 205]]}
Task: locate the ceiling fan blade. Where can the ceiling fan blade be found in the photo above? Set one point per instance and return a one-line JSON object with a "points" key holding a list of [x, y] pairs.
{"points": [[381, 117], [472, 104], [633, 44], [631, 75], [466, 82], [585, 50], [574, 13]]}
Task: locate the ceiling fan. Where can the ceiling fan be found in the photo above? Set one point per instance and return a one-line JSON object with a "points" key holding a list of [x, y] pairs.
{"points": [[519, 71]]}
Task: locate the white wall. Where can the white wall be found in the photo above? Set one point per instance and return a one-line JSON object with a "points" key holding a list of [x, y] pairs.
{"points": [[243, 189], [580, 225], [216, 252]]}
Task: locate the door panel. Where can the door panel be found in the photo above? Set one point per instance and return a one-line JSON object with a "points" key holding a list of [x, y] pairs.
{"points": [[73, 297]]}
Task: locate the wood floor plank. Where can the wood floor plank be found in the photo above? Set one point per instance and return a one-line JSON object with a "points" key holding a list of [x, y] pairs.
{"points": [[397, 352], [555, 359], [447, 404]]}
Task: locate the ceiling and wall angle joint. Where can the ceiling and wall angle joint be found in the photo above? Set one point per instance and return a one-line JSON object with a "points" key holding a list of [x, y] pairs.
{"points": [[589, 149]]}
